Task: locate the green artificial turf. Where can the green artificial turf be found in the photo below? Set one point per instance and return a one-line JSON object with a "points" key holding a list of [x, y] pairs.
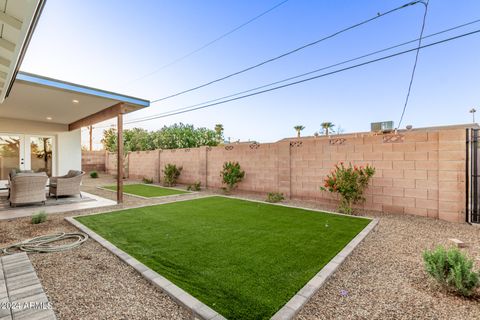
{"points": [[148, 191], [244, 259]]}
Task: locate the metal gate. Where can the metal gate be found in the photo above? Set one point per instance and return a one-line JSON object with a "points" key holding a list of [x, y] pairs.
{"points": [[472, 181]]}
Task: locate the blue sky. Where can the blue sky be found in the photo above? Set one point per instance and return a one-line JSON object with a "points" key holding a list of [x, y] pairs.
{"points": [[112, 44]]}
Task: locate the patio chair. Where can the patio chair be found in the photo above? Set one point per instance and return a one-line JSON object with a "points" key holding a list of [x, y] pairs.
{"points": [[67, 185], [27, 188]]}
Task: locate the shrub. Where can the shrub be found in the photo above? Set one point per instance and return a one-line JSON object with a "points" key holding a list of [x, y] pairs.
{"points": [[39, 217], [94, 174], [452, 269], [274, 197], [147, 180], [231, 175], [349, 182], [171, 174], [196, 186]]}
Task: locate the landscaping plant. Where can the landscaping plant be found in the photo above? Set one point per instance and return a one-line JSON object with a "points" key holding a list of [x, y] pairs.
{"points": [[349, 182], [275, 197], [171, 174], [196, 186], [147, 180], [94, 174], [452, 269], [231, 174], [39, 217]]}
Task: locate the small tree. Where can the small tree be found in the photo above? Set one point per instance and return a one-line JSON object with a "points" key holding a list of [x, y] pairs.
{"points": [[299, 128], [231, 174], [327, 127], [171, 174], [349, 182], [219, 132]]}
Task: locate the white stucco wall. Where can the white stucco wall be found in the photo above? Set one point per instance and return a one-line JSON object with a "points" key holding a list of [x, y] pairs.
{"points": [[69, 151], [67, 146], [30, 127]]}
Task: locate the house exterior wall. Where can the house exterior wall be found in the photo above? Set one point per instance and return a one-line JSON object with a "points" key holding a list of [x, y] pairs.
{"points": [[418, 172], [69, 151], [66, 148]]}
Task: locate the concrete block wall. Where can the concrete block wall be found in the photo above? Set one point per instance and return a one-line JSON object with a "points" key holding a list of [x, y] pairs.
{"points": [[419, 172], [93, 160], [259, 161], [189, 159], [143, 164]]}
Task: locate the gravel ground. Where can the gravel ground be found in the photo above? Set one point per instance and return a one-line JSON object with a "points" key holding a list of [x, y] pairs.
{"points": [[384, 276]]}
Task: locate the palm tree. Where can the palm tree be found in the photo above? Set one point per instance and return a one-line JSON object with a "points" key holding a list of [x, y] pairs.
{"points": [[219, 130], [327, 127], [298, 128]]}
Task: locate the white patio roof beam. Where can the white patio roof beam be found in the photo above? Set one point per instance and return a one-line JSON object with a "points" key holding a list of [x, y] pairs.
{"points": [[11, 21]]}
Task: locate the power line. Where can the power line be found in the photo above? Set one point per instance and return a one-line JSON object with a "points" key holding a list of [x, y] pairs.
{"points": [[379, 15], [310, 72], [414, 64], [174, 112], [175, 61]]}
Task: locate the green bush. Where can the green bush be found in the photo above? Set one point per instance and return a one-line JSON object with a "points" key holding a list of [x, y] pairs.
{"points": [[171, 174], [274, 197], [452, 269], [147, 180], [39, 217], [349, 182], [94, 174], [196, 186], [231, 174]]}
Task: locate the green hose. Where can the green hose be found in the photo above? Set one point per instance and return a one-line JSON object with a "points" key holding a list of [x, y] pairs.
{"points": [[45, 243]]}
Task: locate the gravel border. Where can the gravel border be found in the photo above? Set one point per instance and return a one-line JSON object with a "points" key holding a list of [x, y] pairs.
{"points": [[198, 308], [201, 310], [296, 303], [147, 198]]}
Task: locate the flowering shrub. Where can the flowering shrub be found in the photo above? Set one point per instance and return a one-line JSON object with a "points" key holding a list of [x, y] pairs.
{"points": [[349, 182], [231, 174]]}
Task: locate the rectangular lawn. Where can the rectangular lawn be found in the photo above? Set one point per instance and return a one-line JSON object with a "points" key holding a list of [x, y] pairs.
{"points": [[148, 191], [244, 259]]}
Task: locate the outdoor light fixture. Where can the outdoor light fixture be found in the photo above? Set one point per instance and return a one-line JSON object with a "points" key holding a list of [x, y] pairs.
{"points": [[472, 111], [49, 118], [75, 101]]}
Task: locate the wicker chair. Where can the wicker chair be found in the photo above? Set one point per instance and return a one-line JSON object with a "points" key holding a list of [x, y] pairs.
{"points": [[27, 188], [67, 185]]}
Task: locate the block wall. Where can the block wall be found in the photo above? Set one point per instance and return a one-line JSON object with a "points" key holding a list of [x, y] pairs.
{"points": [[419, 172]]}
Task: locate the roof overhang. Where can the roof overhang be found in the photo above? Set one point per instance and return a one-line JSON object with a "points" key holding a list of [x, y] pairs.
{"points": [[43, 99], [17, 23]]}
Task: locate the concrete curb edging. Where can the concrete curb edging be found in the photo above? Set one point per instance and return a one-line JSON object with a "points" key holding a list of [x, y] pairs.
{"points": [[296, 303], [198, 308], [201, 310], [147, 198]]}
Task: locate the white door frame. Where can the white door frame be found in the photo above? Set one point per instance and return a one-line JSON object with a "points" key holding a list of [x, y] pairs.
{"points": [[25, 155]]}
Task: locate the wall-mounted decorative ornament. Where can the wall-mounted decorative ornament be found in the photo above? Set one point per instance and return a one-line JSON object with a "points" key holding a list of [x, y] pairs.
{"points": [[296, 144], [228, 148], [337, 141], [393, 138], [254, 146]]}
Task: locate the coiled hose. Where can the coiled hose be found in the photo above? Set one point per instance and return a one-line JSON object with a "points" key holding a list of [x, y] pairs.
{"points": [[45, 243]]}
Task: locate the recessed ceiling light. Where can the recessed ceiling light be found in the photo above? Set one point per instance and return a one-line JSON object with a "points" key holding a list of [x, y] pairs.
{"points": [[75, 101], [49, 118]]}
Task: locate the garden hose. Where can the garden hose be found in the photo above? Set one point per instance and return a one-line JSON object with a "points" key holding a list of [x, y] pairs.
{"points": [[45, 243]]}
